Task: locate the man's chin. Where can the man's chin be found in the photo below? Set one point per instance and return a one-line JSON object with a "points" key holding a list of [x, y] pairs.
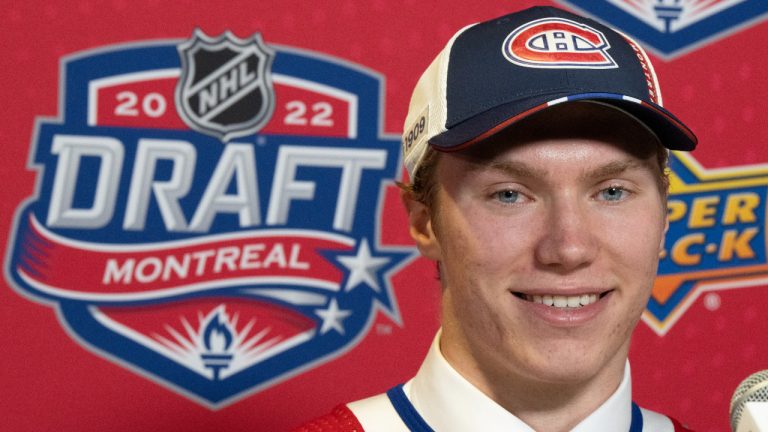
{"points": [[573, 367]]}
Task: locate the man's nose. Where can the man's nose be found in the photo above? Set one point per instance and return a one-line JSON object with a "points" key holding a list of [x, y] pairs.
{"points": [[568, 238]]}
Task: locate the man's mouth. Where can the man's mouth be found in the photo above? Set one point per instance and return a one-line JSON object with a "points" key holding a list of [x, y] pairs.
{"points": [[562, 301]]}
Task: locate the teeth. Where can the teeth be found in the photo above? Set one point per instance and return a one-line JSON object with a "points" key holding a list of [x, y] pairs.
{"points": [[563, 301]]}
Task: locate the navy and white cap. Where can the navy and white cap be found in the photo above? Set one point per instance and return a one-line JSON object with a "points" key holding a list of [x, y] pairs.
{"points": [[492, 74]]}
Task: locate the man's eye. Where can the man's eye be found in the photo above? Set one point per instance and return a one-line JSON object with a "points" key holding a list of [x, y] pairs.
{"points": [[613, 193], [507, 196]]}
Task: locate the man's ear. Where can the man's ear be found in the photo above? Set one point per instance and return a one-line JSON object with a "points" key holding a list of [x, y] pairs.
{"points": [[664, 234], [420, 226]]}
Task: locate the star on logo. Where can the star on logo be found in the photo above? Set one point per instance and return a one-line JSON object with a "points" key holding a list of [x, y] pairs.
{"points": [[362, 267], [332, 317]]}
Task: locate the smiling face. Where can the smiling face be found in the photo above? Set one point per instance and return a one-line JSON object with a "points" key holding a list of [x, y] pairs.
{"points": [[548, 238]]}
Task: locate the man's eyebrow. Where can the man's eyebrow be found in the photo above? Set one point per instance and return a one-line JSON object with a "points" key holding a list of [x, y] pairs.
{"points": [[523, 170], [514, 169], [617, 167]]}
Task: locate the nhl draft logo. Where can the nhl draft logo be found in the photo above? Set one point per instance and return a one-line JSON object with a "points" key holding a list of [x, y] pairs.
{"points": [[674, 27], [225, 88], [208, 218], [558, 43]]}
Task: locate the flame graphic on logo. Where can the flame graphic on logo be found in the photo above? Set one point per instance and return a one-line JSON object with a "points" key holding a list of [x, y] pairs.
{"points": [[220, 347], [217, 336]]}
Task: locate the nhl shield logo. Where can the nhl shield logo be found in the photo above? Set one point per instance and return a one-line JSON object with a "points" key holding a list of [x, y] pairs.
{"points": [[225, 89]]}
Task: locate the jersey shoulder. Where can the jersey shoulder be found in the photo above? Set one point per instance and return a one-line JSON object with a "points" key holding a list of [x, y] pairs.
{"points": [[341, 419]]}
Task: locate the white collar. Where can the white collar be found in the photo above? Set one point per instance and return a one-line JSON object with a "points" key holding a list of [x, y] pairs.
{"points": [[448, 402]]}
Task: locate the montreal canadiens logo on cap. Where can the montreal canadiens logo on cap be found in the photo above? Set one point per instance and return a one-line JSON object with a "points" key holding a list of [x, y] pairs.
{"points": [[558, 43]]}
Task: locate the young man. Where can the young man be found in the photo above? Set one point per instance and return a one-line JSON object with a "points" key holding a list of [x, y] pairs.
{"points": [[536, 145]]}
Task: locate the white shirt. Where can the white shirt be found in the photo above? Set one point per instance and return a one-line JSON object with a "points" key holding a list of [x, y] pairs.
{"points": [[450, 403]]}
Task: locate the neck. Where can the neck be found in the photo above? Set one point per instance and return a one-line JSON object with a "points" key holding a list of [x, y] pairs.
{"points": [[546, 406]]}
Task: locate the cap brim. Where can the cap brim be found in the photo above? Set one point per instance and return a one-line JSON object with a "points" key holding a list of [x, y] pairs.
{"points": [[672, 133]]}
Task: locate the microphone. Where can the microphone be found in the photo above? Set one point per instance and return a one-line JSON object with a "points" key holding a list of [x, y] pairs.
{"points": [[749, 405]]}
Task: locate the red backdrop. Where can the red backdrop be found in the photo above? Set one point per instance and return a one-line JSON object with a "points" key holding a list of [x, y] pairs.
{"points": [[50, 382]]}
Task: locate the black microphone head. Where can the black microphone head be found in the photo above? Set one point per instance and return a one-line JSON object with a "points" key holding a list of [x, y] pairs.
{"points": [[753, 389]]}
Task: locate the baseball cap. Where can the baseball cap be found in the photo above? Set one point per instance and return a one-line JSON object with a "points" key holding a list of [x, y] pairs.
{"points": [[495, 73]]}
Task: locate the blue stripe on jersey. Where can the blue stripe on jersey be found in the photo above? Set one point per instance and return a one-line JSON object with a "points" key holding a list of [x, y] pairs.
{"points": [[406, 410], [637, 419]]}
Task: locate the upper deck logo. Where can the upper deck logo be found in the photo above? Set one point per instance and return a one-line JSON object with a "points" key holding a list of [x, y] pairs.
{"points": [[221, 259], [225, 88], [674, 27], [716, 238], [558, 43]]}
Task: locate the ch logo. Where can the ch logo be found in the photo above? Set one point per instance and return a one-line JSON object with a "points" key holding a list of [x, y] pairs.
{"points": [[558, 43]]}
